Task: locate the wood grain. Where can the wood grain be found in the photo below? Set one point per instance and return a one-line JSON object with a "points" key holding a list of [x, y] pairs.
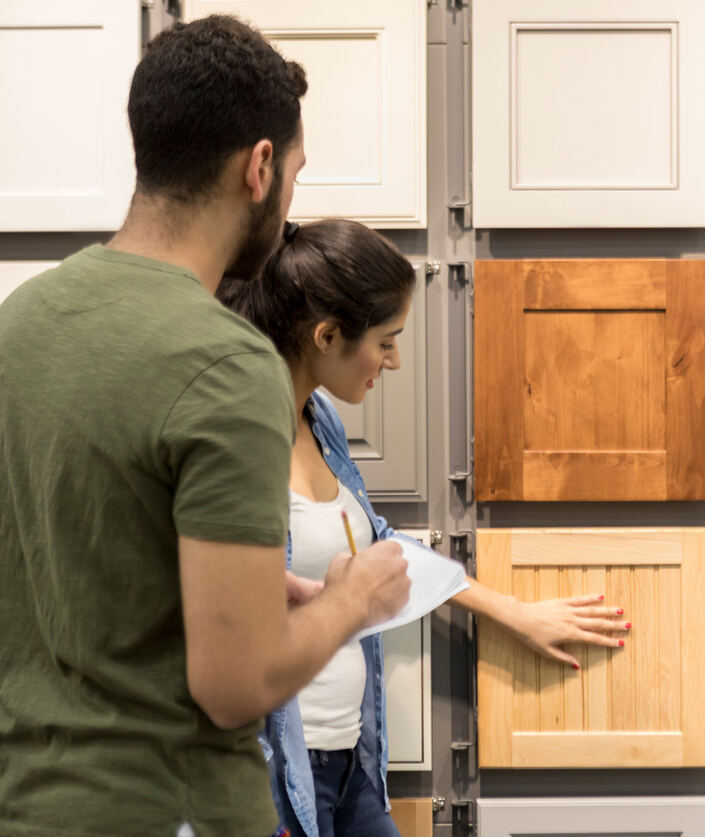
{"points": [[499, 377], [579, 476], [693, 646], [413, 817], [595, 547], [595, 283], [685, 380], [595, 749]]}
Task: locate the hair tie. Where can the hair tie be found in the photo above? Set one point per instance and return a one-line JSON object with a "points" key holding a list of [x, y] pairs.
{"points": [[290, 230]]}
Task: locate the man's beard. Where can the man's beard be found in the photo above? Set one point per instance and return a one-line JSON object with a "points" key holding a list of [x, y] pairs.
{"points": [[264, 233]]}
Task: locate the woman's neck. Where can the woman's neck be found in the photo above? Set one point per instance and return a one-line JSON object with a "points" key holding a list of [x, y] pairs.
{"points": [[304, 385]]}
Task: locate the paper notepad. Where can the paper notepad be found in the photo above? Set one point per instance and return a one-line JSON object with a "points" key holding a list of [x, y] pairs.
{"points": [[434, 579]]}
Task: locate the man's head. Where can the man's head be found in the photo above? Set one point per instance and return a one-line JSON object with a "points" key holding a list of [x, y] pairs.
{"points": [[203, 91]]}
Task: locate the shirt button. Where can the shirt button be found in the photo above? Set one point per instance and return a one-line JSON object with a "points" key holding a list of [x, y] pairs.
{"points": [[360, 492], [326, 451]]}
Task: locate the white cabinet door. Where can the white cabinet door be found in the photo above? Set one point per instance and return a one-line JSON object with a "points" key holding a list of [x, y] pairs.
{"points": [[656, 816], [588, 113], [407, 674], [66, 158], [365, 111], [13, 274]]}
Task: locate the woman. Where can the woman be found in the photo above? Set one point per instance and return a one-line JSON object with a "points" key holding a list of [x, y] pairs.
{"points": [[333, 299]]}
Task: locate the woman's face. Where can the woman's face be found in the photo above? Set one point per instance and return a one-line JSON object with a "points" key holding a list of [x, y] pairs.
{"points": [[349, 375]]}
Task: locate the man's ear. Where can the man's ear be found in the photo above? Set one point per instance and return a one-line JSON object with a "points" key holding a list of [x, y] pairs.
{"points": [[259, 169], [325, 336]]}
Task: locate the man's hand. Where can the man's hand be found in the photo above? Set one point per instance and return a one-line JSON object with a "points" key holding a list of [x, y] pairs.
{"points": [[376, 577]]}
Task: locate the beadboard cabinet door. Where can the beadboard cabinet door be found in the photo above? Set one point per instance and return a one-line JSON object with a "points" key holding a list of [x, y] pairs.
{"points": [[66, 158], [587, 113], [387, 432], [636, 706], [365, 111], [590, 380]]}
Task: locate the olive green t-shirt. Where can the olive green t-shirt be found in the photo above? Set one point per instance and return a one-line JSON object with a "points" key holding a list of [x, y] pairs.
{"points": [[133, 408]]}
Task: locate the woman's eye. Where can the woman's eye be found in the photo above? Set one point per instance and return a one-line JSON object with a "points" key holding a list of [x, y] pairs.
{"points": [[387, 347]]}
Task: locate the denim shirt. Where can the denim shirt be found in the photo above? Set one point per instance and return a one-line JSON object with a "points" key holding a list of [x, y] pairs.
{"points": [[283, 739]]}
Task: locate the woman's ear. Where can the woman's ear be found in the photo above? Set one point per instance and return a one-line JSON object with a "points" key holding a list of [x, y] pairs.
{"points": [[325, 336]]}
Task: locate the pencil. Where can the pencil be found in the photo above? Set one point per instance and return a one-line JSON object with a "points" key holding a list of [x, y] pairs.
{"points": [[348, 532]]}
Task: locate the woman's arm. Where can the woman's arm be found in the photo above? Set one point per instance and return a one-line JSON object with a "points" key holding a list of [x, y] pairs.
{"points": [[544, 625]]}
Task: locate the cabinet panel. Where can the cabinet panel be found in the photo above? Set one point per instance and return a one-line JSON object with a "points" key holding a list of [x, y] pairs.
{"points": [[67, 163], [590, 380], [657, 816], [633, 706], [586, 113], [407, 675], [13, 274], [387, 432], [365, 110]]}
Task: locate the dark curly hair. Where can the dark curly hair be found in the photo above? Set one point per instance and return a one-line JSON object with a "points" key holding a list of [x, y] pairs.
{"points": [[202, 91], [335, 270]]}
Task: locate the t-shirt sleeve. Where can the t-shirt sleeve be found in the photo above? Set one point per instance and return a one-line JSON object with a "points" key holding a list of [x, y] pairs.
{"points": [[227, 443]]}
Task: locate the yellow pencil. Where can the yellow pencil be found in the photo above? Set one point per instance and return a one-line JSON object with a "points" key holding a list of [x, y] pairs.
{"points": [[348, 532]]}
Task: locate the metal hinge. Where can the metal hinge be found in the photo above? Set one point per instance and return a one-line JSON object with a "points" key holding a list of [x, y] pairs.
{"points": [[461, 476], [432, 268], [464, 272], [463, 816]]}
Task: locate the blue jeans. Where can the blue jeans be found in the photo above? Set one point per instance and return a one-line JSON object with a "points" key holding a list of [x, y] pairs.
{"points": [[347, 804]]}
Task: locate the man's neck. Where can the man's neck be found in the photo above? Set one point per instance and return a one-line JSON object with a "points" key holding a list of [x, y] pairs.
{"points": [[201, 239]]}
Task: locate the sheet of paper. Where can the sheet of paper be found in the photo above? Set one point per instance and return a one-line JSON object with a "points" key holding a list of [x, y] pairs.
{"points": [[434, 579]]}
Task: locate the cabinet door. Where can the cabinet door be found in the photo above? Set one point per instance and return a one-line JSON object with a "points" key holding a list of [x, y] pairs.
{"points": [[589, 380], [13, 274], [387, 432], [587, 113], [659, 816], [636, 706], [66, 158], [365, 110], [407, 675]]}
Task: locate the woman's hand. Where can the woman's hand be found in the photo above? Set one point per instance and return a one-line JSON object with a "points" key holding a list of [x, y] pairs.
{"points": [[545, 625], [300, 590]]}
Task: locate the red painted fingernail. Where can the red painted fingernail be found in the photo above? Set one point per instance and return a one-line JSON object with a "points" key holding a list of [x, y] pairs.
{"points": [[576, 666], [602, 596], [627, 624], [620, 612], [621, 643]]}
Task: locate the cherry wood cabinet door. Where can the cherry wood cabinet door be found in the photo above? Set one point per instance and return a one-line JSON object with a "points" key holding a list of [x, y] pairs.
{"points": [[590, 380], [636, 706]]}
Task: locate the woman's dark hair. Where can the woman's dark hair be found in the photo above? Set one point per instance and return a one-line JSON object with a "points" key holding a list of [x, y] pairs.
{"points": [[202, 91], [334, 270]]}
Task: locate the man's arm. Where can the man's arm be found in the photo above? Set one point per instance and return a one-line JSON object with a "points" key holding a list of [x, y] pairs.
{"points": [[246, 651]]}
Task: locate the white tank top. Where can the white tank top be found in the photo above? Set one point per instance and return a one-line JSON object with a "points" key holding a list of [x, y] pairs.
{"points": [[330, 704]]}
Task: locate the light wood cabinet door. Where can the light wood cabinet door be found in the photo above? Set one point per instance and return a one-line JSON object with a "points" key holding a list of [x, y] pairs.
{"points": [[590, 380], [365, 111], [588, 113], [636, 706], [66, 159]]}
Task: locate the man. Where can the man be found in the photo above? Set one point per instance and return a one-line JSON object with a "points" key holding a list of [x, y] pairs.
{"points": [[146, 435]]}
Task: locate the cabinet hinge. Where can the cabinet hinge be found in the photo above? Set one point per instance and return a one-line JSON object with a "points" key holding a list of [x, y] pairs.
{"points": [[432, 268], [463, 816]]}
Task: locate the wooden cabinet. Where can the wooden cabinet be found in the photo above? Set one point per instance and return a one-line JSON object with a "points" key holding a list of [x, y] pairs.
{"points": [[636, 706], [365, 111], [658, 816], [587, 113], [387, 432], [66, 158], [590, 380]]}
